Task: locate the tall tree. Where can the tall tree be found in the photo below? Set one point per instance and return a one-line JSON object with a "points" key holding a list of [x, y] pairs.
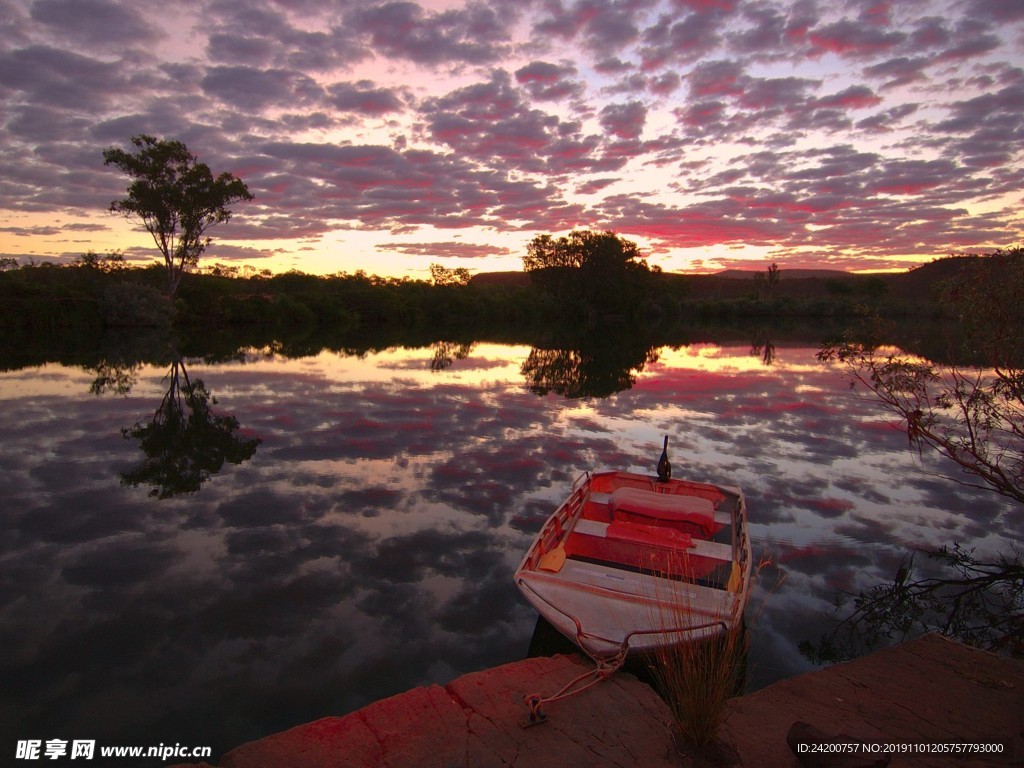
{"points": [[582, 249], [595, 271], [175, 197]]}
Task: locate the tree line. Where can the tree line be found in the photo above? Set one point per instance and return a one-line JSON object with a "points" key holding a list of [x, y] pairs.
{"points": [[585, 279]]}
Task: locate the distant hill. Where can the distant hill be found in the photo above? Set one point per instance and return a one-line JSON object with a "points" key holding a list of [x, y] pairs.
{"points": [[918, 284], [792, 274]]}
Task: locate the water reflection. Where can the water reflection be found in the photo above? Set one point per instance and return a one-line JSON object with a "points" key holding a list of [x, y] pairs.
{"points": [[368, 545], [185, 442], [447, 352], [113, 378], [599, 367], [762, 346]]}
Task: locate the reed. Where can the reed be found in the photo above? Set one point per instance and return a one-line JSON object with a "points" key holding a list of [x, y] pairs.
{"points": [[697, 678]]}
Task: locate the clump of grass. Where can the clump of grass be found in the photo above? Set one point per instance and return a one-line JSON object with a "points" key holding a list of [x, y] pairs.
{"points": [[697, 678]]}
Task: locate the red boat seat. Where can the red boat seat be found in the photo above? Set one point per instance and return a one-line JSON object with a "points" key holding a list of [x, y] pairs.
{"points": [[642, 506], [657, 535]]}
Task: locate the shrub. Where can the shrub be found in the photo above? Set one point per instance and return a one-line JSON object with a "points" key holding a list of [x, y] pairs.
{"points": [[136, 305]]}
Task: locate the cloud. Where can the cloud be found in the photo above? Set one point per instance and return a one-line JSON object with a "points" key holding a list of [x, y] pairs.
{"points": [[671, 41], [239, 49], [602, 25], [62, 79], [254, 89], [451, 249], [850, 38], [549, 82], [95, 23], [492, 123], [413, 117], [476, 34], [626, 121], [364, 98]]}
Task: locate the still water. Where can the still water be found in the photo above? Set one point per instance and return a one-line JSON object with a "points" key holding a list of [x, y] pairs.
{"points": [[366, 544]]}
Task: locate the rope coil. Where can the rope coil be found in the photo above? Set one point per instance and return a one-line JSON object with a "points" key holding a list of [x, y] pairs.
{"points": [[603, 669]]}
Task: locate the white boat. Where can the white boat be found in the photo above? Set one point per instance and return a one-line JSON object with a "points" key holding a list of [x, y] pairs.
{"points": [[630, 563]]}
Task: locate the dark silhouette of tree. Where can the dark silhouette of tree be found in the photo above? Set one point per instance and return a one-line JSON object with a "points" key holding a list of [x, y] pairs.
{"points": [[185, 442], [762, 346], [111, 262], [765, 282], [116, 378], [596, 271], [175, 197], [441, 275]]}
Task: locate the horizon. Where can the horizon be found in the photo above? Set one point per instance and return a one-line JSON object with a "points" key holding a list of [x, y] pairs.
{"points": [[852, 135]]}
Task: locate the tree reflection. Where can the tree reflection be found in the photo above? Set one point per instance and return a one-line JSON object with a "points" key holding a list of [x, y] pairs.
{"points": [[979, 602], [185, 442], [114, 378], [594, 370], [762, 346], [447, 352]]}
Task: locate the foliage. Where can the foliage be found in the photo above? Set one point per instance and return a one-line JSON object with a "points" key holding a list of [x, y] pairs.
{"points": [[974, 417], [185, 442], [116, 378], [447, 352], [176, 198], [765, 282], [980, 602], [597, 274], [440, 275], [697, 677], [603, 252], [129, 304], [111, 262]]}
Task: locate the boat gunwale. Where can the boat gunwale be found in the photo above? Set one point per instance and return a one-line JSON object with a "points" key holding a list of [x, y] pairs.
{"points": [[562, 522]]}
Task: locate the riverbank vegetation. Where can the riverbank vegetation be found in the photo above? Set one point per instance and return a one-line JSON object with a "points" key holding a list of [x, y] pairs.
{"points": [[972, 415], [103, 292]]}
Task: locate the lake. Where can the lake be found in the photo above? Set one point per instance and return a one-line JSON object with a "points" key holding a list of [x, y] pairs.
{"points": [[366, 544]]}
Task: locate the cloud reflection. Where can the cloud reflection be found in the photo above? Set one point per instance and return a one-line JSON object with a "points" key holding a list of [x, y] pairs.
{"points": [[368, 545]]}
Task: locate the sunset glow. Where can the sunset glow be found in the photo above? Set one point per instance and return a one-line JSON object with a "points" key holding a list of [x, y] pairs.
{"points": [[386, 136]]}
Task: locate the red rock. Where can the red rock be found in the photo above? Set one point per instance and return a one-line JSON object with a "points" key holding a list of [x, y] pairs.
{"points": [[477, 721], [931, 690]]}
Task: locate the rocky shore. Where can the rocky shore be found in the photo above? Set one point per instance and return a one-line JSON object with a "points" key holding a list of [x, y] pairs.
{"points": [[924, 697]]}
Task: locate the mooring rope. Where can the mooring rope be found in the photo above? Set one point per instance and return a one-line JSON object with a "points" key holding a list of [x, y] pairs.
{"points": [[603, 669]]}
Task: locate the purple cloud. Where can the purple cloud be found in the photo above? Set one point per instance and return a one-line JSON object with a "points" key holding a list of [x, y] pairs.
{"points": [[364, 98], [549, 82], [389, 116], [476, 34], [626, 121]]}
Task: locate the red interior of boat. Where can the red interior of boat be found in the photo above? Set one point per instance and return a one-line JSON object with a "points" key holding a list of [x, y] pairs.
{"points": [[647, 529], [658, 553]]}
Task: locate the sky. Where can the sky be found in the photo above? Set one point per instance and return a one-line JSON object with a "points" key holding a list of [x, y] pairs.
{"points": [[387, 136]]}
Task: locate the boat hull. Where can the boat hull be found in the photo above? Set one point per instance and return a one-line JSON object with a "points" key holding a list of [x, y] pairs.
{"points": [[628, 564]]}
